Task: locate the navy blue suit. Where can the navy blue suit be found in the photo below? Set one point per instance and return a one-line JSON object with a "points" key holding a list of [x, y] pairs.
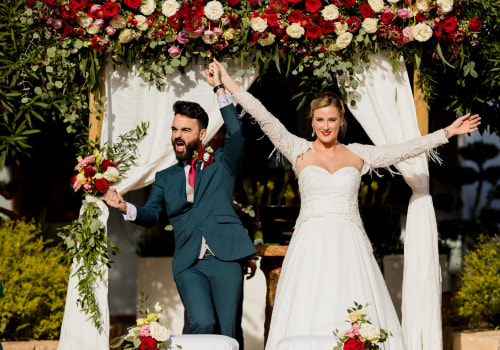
{"points": [[210, 288]]}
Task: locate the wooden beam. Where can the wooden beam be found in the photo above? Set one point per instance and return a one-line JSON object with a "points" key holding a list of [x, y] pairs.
{"points": [[420, 105], [96, 108]]}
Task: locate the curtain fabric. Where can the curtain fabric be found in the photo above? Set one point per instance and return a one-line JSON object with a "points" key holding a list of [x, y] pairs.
{"points": [[385, 109], [131, 101]]}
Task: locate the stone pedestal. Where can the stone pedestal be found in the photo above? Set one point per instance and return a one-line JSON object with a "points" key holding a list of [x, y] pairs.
{"points": [[472, 340]]}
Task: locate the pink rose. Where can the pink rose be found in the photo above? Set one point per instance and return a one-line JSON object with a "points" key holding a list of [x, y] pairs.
{"points": [[57, 24], [182, 37], [144, 331], [351, 333], [404, 13], [218, 31], [94, 9], [98, 22], [174, 51], [86, 161], [408, 32], [110, 30], [88, 186]]}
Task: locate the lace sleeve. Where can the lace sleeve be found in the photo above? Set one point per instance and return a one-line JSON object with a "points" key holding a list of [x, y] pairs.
{"points": [[289, 145], [387, 155]]}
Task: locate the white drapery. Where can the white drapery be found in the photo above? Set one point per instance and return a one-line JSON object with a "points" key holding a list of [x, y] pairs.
{"points": [[130, 102], [386, 110]]}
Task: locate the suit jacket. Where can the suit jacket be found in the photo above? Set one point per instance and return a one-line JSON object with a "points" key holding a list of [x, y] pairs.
{"points": [[211, 214]]}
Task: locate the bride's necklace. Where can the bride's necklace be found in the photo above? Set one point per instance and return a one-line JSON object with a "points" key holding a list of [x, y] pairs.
{"points": [[328, 153]]}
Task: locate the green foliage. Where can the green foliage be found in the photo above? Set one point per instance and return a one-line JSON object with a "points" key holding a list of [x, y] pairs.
{"points": [[479, 295], [35, 282]]}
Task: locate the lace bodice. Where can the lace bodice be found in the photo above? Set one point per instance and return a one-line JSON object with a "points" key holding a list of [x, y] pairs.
{"points": [[325, 194], [292, 146]]}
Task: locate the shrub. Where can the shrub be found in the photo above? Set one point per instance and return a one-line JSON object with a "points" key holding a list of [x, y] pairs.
{"points": [[479, 295], [35, 283]]}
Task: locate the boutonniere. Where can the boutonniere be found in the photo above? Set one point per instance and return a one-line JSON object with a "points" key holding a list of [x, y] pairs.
{"points": [[204, 156]]}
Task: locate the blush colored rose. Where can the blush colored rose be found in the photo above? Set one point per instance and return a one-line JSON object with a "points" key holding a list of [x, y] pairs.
{"points": [[366, 10], [134, 4], [174, 51], [144, 331], [354, 344], [450, 24], [147, 343], [101, 185], [313, 5], [110, 9], [475, 25]]}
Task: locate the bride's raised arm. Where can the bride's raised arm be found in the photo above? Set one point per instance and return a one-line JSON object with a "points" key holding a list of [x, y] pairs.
{"points": [[289, 145]]}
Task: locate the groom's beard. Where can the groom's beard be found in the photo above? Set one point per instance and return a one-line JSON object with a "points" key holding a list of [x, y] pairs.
{"points": [[188, 151]]}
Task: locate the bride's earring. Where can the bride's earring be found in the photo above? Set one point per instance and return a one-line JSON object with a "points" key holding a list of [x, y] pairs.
{"points": [[314, 133]]}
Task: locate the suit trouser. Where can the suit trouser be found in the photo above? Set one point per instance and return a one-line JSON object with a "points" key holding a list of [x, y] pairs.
{"points": [[211, 291]]}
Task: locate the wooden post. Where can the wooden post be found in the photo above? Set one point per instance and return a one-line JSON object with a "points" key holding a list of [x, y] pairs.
{"points": [[420, 105], [96, 114]]}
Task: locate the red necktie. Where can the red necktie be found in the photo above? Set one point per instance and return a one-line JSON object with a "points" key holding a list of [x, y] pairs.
{"points": [[192, 172]]}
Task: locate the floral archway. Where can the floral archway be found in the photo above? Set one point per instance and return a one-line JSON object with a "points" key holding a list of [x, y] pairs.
{"points": [[327, 41]]}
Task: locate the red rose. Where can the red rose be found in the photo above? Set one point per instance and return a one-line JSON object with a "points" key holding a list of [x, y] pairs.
{"points": [[397, 34], [456, 37], [294, 1], [349, 3], [133, 3], [353, 24], [147, 343], [174, 22], [97, 43], [279, 32], [313, 5], [101, 185], [78, 5], [450, 24], [295, 16], [354, 344], [272, 20], [420, 17], [110, 9], [73, 179], [366, 10], [327, 27], [89, 171], [107, 163], [382, 31], [68, 12], [233, 2], [387, 17], [475, 25], [313, 32]]}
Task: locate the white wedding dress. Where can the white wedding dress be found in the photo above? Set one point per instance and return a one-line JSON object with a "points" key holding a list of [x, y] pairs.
{"points": [[329, 264]]}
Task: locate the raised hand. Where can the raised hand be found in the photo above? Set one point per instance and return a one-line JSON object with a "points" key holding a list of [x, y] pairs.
{"points": [[213, 74], [463, 125]]}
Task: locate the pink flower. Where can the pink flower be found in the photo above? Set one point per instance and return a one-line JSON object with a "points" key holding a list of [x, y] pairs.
{"points": [[404, 13], [144, 331], [182, 37], [88, 186], [218, 31], [110, 30], [208, 33], [76, 185], [85, 161], [95, 8], [57, 24], [99, 22], [225, 20], [408, 32], [174, 51], [351, 333]]}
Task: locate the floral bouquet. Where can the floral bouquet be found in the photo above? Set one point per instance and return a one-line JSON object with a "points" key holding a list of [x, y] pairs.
{"points": [[85, 238], [149, 333], [362, 334]]}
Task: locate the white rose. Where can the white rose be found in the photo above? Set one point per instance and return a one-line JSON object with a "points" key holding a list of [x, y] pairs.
{"points": [[229, 34], [295, 30], [422, 5], [357, 315], [214, 10], [445, 5], [142, 22], [269, 40], [147, 7], [258, 24], [111, 173], [170, 7], [209, 39], [343, 40], [370, 332], [422, 32], [392, 1], [330, 12], [369, 25], [98, 176], [341, 27], [376, 5], [118, 23], [158, 332], [93, 29], [84, 20]]}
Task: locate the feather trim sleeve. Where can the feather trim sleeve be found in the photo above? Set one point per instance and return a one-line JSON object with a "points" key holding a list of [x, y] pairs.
{"points": [[384, 156]]}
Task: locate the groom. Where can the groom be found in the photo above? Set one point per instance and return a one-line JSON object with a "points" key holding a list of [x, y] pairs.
{"points": [[196, 195]]}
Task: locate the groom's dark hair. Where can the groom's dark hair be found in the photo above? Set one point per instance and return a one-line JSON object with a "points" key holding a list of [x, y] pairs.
{"points": [[192, 110]]}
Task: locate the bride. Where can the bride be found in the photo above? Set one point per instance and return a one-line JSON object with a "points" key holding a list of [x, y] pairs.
{"points": [[329, 264]]}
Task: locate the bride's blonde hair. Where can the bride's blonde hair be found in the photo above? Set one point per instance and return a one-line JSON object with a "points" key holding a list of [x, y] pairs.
{"points": [[325, 99]]}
